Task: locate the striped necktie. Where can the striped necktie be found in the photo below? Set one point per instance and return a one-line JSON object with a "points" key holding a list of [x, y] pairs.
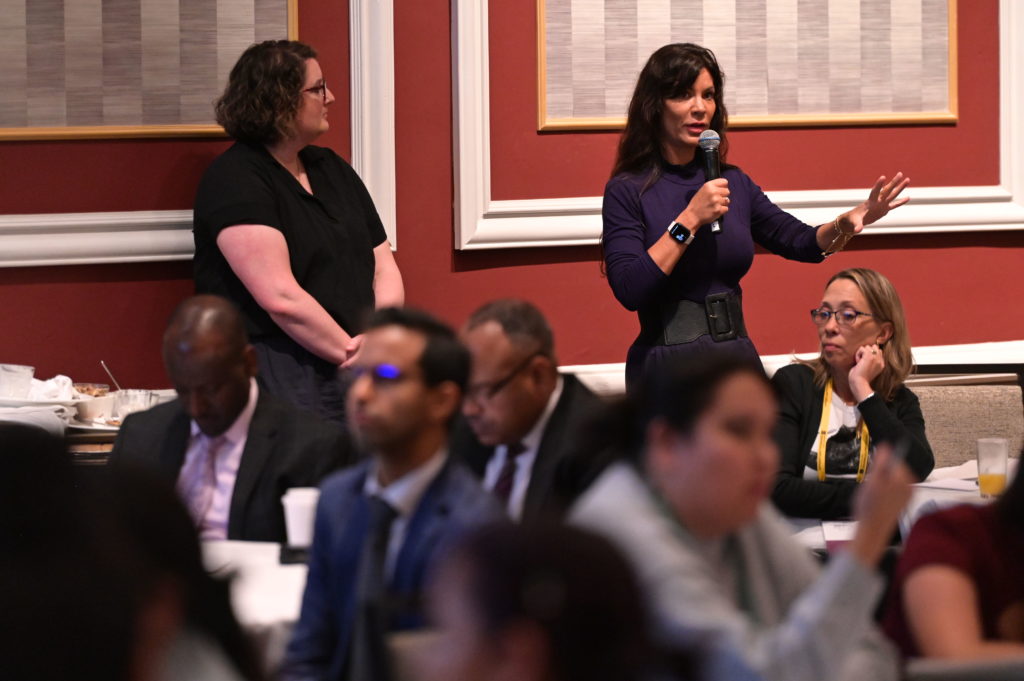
{"points": [[198, 480], [507, 477]]}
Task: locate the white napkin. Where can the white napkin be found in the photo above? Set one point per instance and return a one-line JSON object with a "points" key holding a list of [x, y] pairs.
{"points": [[51, 418], [56, 388], [968, 469]]}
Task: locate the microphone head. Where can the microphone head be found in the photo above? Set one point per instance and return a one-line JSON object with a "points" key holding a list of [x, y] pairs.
{"points": [[709, 140]]}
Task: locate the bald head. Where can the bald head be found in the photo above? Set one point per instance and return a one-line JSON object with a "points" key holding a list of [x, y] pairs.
{"points": [[208, 358], [205, 320]]}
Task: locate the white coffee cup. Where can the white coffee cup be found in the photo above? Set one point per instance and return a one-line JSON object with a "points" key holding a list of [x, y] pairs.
{"points": [[299, 514], [16, 380]]}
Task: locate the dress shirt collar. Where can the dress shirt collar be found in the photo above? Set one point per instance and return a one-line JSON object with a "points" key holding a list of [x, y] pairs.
{"points": [[404, 494], [531, 441], [239, 430]]}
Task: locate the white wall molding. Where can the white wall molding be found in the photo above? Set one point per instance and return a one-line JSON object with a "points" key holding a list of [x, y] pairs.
{"points": [[471, 111], [482, 223], [88, 238], [140, 236], [372, 55], [610, 379]]}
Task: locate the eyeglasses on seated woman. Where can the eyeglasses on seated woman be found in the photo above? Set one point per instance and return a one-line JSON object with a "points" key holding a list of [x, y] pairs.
{"points": [[833, 410], [719, 564]]}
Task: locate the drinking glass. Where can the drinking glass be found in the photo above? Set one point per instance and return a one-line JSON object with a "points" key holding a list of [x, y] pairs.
{"points": [[131, 401], [993, 453]]}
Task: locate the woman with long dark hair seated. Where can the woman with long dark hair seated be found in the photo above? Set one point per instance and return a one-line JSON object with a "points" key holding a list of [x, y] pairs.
{"points": [[662, 257], [958, 592], [717, 561], [836, 408]]}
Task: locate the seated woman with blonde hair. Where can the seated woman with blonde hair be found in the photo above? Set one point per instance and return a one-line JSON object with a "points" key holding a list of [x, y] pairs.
{"points": [[834, 409], [958, 591]]}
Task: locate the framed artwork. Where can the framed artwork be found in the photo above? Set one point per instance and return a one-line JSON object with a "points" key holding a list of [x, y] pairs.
{"points": [[786, 62], [125, 68]]}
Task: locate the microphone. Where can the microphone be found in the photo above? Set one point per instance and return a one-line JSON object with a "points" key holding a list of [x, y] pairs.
{"points": [[709, 141]]}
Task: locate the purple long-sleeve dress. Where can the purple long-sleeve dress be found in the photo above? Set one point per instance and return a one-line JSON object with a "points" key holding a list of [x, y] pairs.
{"points": [[635, 217]]}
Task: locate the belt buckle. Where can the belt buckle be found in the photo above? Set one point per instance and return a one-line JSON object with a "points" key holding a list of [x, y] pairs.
{"points": [[721, 325]]}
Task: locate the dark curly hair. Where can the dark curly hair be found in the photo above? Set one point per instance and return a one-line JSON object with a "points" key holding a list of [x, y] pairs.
{"points": [[264, 91], [668, 73]]}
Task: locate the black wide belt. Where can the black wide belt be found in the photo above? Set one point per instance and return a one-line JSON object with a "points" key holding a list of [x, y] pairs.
{"points": [[684, 321]]}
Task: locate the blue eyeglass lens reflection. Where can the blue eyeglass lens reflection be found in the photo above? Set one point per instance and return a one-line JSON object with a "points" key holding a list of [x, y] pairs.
{"points": [[388, 372], [382, 373]]}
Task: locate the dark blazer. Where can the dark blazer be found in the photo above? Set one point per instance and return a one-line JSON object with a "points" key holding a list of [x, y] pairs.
{"points": [[285, 448], [453, 503], [554, 480], [799, 417]]}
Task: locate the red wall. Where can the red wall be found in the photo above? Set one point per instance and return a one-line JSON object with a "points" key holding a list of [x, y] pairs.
{"points": [[955, 286]]}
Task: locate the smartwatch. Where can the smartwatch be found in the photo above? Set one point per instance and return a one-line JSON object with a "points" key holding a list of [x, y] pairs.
{"points": [[680, 233]]}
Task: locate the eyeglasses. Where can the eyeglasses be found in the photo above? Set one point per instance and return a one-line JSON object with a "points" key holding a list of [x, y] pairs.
{"points": [[381, 374], [486, 391], [321, 89], [844, 317]]}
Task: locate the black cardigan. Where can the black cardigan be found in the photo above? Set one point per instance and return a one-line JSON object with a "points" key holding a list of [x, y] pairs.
{"points": [[799, 417]]}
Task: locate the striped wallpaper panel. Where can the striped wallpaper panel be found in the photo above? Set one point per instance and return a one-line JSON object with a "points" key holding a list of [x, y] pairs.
{"points": [[802, 59], [69, 63]]}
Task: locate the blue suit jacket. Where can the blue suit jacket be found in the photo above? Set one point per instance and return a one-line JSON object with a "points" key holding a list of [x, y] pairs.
{"points": [[453, 503]]}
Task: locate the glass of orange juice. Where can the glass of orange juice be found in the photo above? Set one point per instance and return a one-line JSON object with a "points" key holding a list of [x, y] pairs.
{"points": [[992, 456]]}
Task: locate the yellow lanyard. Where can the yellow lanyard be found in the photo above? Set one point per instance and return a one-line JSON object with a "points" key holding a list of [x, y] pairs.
{"points": [[826, 412]]}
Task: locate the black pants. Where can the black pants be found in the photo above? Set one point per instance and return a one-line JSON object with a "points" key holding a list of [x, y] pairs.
{"points": [[292, 373]]}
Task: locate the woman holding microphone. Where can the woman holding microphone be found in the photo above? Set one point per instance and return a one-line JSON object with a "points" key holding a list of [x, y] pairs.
{"points": [[661, 258]]}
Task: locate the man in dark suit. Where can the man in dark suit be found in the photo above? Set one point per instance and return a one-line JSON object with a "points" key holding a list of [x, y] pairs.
{"points": [[231, 449], [381, 524], [522, 415]]}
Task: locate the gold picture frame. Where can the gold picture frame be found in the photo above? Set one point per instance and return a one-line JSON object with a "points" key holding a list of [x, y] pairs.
{"points": [[948, 115], [140, 131]]}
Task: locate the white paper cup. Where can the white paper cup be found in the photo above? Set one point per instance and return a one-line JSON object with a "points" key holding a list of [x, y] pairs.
{"points": [[299, 514], [16, 380]]}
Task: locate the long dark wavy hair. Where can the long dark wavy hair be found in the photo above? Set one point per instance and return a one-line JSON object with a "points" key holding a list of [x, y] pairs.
{"points": [[669, 73], [264, 91]]}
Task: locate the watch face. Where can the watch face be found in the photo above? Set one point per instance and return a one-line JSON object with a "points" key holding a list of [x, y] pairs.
{"points": [[680, 233]]}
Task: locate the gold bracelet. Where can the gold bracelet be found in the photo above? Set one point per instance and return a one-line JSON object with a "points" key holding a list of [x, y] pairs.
{"points": [[839, 243]]}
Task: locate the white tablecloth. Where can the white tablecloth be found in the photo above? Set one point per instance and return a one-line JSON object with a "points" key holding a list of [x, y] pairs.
{"points": [[266, 595], [945, 487]]}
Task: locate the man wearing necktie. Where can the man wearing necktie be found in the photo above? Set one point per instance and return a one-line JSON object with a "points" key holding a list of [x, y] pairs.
{"points": [[380, 525], [520, 415], [231, 450]]}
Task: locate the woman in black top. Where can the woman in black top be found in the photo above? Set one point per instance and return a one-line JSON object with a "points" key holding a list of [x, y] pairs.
{"points": [[853, 392], [287, 230]]}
